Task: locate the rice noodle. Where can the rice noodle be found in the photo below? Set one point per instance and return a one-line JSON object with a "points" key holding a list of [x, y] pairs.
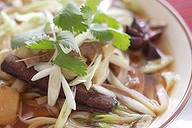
{"points": [[163, 99], [122, 75], [121, 60], [170, 79], [118, 58], [135, 105], [134, 94]]}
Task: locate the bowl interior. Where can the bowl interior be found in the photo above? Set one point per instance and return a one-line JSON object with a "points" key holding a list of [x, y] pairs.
{"points": [[179, 39]]}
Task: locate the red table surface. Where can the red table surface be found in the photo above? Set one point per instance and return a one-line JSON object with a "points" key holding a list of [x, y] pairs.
{"points": [[184, 7]]}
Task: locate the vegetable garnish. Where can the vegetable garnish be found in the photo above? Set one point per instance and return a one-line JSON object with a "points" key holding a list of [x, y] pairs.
{"points": [[22, 38], [62, 34], [71, 21]]}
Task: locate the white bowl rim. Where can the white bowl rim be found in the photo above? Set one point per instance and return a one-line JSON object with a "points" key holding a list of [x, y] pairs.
{"points": [[188, 33]]}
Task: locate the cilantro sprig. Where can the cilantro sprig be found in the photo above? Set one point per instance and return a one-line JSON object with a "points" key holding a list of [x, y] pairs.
{"points": [[70, 22], [71, 18]]}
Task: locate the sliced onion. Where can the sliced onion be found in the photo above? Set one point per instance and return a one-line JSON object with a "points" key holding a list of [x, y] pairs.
{"points": [[103, 71], [54, 86], [103, 90], [63, 115], [41, 66], [68, 93], [43, 74], [117, 60], [156, 65], [52, 110], [87, 79]]}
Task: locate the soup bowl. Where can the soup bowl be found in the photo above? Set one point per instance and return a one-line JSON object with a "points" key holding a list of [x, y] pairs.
{"points": [[179, 39], [177, 42]]}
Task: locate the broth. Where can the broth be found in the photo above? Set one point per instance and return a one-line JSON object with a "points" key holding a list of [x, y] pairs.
{"points": [[121, 87]]}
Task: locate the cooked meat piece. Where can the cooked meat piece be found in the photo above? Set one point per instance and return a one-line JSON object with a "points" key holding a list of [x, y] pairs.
{"points": [[89, 50], [93, 99], [88, 98], [20, 71]]}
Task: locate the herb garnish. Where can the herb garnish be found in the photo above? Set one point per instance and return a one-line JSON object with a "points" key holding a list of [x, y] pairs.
{"points": [[69, 23]]}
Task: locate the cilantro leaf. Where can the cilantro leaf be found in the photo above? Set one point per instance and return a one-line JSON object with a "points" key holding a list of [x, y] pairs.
{"points": [[103, 33], [67, 39], [66, 61], [20, 39], [101, 17], [40, 43], [100, 32], [92, 4], [120, 40], [87, 14], [70, 18]]}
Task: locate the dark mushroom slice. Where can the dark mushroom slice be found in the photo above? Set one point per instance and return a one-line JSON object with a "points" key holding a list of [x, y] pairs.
{"points": [[133, 32], [153, 34], [136, 43], [150, 51], [138, 24], [150, 30], [87, 98]]}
